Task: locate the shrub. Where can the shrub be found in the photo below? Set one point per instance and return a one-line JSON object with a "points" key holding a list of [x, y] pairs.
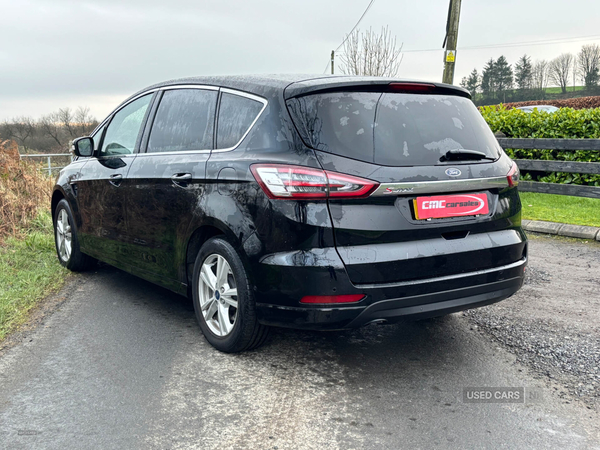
{"points": [[566, 123], [24, 189], [575, 103]]}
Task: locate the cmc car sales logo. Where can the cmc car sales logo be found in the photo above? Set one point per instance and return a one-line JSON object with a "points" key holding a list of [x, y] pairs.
{"points": [[451, 206]]}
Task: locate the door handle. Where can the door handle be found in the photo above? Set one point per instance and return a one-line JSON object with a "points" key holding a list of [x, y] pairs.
{"points": [[115, 179], [182, 177]]}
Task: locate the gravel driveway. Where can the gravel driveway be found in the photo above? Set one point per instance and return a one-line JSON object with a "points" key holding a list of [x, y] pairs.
{"points": [[553, 323]]}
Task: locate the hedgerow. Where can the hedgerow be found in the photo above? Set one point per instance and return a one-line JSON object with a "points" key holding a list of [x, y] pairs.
{"points": [[24, 189], [566, 123]]}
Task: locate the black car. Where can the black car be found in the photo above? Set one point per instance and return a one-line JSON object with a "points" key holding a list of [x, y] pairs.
{"points": [[306, 202]]}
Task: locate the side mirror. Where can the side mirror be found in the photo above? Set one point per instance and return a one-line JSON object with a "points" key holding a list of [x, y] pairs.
{"points": [[83, 146]]}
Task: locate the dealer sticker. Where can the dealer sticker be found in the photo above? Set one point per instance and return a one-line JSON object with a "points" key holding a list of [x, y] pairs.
{"points": [[442, 206]]}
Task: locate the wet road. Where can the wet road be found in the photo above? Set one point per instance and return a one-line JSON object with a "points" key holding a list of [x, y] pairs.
{"points": [[122, 364]]}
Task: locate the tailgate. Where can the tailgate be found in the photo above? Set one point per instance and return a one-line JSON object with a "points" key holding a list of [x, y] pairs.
{"points": [[434, 213]]}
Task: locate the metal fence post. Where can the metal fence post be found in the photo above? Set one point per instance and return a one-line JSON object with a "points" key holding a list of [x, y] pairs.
{"points": [[49, 165]]}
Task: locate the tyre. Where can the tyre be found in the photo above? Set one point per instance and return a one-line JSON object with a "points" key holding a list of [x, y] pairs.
{"points": [[224, 300], [66, 241]]}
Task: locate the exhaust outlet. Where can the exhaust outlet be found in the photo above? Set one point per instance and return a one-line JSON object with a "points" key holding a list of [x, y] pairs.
{"points": [[377, 322]]}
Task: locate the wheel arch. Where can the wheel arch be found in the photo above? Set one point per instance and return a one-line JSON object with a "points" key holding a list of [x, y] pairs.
{"points": [[210, 228], [202, 233], [57, 196]]}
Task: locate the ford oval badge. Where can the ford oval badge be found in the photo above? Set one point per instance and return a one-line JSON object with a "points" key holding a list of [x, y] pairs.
{"points": [[452, 172]]}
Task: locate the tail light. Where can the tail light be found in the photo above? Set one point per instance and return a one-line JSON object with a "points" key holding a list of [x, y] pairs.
{"points": [[328, 299], [297, 182], [513, 175]]}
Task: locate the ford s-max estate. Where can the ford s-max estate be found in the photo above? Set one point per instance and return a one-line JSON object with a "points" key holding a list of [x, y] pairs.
{"points": [[324, 202]]}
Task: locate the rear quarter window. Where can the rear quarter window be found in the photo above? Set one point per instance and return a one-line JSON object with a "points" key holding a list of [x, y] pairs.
{"points": [[236, 116]]}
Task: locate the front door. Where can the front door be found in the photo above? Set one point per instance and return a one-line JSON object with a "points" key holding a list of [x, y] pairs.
{"points": [[102, 184]]}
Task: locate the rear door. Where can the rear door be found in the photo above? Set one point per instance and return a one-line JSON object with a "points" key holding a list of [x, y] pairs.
{"points": [[102, 183], [167, 181], [401, 139]]}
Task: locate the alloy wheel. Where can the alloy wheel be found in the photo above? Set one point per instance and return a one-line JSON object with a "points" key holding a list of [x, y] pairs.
{"points": [[218, 295], [63, 235]]}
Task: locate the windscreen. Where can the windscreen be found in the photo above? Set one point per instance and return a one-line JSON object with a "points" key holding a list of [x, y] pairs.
{"points": [[391, 129]]}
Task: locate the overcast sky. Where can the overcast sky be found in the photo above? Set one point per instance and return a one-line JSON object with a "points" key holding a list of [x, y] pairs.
{"points": [[58, 53]]}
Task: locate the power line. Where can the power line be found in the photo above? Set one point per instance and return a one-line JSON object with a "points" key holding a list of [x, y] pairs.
{"points": [[357, 23], [513, 44], [351, 31]]}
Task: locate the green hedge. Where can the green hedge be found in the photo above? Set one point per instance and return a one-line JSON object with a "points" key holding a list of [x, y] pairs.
{"points": [[566, 123]]}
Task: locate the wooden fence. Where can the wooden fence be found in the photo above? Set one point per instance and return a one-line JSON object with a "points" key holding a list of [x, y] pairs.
{"points": [[556, 166]]}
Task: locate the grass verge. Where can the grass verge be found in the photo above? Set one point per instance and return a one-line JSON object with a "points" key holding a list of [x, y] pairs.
{"points": [[561, 208], [29, 271]]}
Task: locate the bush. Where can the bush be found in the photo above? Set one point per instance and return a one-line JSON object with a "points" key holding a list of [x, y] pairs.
{"points": [[566, 123], [575, 103], [24, 189]]}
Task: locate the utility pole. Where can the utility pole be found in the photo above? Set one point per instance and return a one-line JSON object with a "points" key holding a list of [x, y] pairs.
{"points": [[451, 40], [332, 60]]}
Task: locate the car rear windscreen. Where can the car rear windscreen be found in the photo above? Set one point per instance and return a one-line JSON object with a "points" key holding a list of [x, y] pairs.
{"points": [[391, 129]]}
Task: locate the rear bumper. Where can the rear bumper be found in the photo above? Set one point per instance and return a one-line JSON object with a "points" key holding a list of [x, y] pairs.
{"points": [[443, 302], [392, 302]]}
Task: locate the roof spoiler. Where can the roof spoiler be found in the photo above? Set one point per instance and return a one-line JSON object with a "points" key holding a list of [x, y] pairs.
{"points": [[405, 87]]}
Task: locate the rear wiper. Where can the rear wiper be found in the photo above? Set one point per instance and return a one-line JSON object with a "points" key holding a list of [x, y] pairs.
{"points": [[462, 154]]}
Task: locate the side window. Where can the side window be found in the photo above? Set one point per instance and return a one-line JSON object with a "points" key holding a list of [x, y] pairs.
{"points": [[185, 120], [236, 114], [124, 128], [97, 138]]}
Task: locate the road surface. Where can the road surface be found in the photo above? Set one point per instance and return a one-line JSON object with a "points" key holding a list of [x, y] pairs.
{"points": [[120, 363]]}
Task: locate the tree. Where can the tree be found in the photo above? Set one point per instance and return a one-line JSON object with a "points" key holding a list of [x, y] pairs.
{"points": [[541, 75], [489, 80], [21, 129], [588, 64], [560, 70], [504, 75], [52, 132], [51, 127], [472, 82], [524, 73], [84, 122], [63, 126], [371, 54]]}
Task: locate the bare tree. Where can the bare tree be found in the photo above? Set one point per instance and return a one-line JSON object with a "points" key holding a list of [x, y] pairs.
{"points": [[21, 129], [63, 126], [50, 126], [85, 122], [588, 64], [75, 124], [541, 75], [65, 118], [371, 54], [560, 70]]}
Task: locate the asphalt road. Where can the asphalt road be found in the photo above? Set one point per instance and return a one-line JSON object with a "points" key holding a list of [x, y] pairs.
{"points": [[121, 363]]}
